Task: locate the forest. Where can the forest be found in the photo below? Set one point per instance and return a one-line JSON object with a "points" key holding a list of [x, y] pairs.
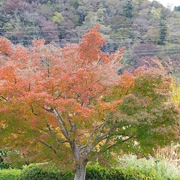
{"points": [[89, 90]]}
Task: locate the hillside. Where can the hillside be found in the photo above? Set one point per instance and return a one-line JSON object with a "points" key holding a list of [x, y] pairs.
{"points": [[145, 28]]}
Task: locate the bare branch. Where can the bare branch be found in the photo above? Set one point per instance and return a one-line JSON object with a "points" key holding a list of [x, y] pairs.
{"points": [[49, 127], [3, 98], [127, 139], [99, 138], [60, 122], [47, 109], [29, 87], [32, 109], [57, 96], [103, 126], [78, 96], [112, 129], [130, 137], [64, 141], [47, 145], [90, 136], [73, 126], [104, 136], [53, 133]]}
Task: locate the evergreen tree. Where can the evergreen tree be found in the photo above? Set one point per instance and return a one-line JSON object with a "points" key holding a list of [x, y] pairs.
{"points": [[177, 8], [163, 30], [128, 9]]}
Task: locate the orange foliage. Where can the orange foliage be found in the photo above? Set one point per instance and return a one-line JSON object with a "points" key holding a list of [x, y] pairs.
{"points": [[5, 46], [71, 80], [126, 80], [45, 89]]}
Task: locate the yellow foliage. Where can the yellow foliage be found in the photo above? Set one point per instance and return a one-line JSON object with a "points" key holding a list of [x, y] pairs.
{"points": [[176, 94], [57, 17]]}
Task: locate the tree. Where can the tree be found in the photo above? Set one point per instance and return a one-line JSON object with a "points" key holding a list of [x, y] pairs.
{"points": [[69, 105], [163, 30], [128, 9], [177, 8]]}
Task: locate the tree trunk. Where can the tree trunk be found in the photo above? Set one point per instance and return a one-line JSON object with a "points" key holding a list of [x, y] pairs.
{"points": [[80, 172]]}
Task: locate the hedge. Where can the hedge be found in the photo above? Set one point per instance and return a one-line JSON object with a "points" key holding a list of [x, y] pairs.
{"points": [[35, 172], [9, 174], [132, 171]]}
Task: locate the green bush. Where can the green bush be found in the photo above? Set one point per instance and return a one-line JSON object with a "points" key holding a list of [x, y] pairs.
{"points": [[9, 174], [131, 168], [97, 172], [151, 169], [4, 165], [36, 172]]}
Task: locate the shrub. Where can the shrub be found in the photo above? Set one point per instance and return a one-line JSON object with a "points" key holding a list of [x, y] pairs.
{"points": [[4, 165], [9, 174], [151, 168], [34, 172], [131, 168], [97, 172], [37, 172]]}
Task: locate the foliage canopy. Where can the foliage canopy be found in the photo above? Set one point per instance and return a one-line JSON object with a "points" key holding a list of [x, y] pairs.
{"points": [[69, 105]]}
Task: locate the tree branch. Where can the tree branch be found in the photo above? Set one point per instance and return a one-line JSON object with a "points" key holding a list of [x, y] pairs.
{"points": [[113, 128], [47, 145], [103, 126], [3, 98], [32, 109], [89, 138], [73, 126], [127, 139], [53, 133], [99, 138], [60, 122]]}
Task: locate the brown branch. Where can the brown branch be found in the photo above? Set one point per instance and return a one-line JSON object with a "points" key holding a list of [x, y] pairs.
{"points": [[103, 126], [73, 126], [3, 98], [113, 128], [99, 138], [49, 127], [60, 122], [105, 136], [90, 136], [58, 94], [32, 109], [29, 87], [78, 96], [47, 145], [53, 133], [47, 109], [130, 137], [64, 141], [123, 141]]}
